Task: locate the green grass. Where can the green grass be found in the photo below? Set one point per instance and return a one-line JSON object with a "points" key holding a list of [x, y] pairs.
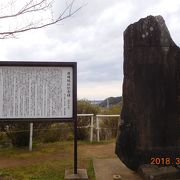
{"points": [[40, 149], [46, 171], [49, 169]]}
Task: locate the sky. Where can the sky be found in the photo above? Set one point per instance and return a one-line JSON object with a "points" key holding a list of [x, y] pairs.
{"points": [[92, 37]]}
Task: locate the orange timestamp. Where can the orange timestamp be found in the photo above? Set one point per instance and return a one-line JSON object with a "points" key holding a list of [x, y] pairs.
{"points": [[166, 161]]}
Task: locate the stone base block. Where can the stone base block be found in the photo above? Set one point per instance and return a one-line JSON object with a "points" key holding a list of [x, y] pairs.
{"points": [[152, 172], [81, 174]]}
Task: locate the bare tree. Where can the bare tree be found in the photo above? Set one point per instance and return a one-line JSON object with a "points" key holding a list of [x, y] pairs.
{"points": [[24, 16]]}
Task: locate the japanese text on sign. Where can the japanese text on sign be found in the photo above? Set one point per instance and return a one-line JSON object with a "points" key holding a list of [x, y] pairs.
{"points": [[36, 92]]}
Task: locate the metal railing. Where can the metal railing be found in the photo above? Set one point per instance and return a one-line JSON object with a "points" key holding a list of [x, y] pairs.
{"points": [[91, 125], [97, 123]]}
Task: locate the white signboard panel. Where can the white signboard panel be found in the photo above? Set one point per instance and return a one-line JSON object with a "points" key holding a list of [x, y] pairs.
{"points": [[36, 92]]}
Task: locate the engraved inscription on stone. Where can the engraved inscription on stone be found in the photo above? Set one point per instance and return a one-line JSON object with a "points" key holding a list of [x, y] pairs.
{"points": [[36, 92]]}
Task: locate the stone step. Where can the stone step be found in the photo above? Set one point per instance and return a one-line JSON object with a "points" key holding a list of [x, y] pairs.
{"points": [[152, 172]]}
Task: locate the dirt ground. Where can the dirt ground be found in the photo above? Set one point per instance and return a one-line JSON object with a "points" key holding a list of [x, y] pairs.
{"points": [[85, 151]]}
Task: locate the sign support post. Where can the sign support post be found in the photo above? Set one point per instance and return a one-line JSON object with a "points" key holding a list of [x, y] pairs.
{"points": [[30, 136], [75, 173], [75, 146], [75, 117]]}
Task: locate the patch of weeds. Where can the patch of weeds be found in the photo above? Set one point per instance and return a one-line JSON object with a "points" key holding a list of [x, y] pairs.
{"points": [[90, 170], [45, 171], [6, 174], [3, 174]]}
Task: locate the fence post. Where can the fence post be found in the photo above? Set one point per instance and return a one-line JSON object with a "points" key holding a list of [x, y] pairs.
{"points": [[97, 128], [30, 136], [91, 128]]}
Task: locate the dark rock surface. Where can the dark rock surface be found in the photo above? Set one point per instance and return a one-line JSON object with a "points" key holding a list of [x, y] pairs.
{"points": [[150, 117]]}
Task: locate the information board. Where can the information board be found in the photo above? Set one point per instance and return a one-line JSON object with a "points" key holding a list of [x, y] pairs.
{"points": [[36, 90]]}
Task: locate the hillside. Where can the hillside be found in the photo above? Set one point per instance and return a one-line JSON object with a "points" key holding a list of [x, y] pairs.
{"points": [[111, 101]]}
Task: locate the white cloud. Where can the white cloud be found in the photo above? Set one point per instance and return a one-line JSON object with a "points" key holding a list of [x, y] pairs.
{"points": [[94, 38]]}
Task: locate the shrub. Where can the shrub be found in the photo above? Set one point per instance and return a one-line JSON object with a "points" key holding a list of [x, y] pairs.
{"points": [[109, 125], [4, 140], [18, 133], [56, 132], [85, 107]]}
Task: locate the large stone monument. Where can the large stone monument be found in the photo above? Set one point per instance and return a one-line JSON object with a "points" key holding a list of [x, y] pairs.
{"points": [[150, 118]]}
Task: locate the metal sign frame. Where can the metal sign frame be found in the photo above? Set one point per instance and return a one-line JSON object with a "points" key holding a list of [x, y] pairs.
{"points": [[47, 64], [74, 94]]}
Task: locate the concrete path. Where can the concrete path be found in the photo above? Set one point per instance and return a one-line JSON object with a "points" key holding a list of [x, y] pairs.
{"points": [[106, 168]]}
